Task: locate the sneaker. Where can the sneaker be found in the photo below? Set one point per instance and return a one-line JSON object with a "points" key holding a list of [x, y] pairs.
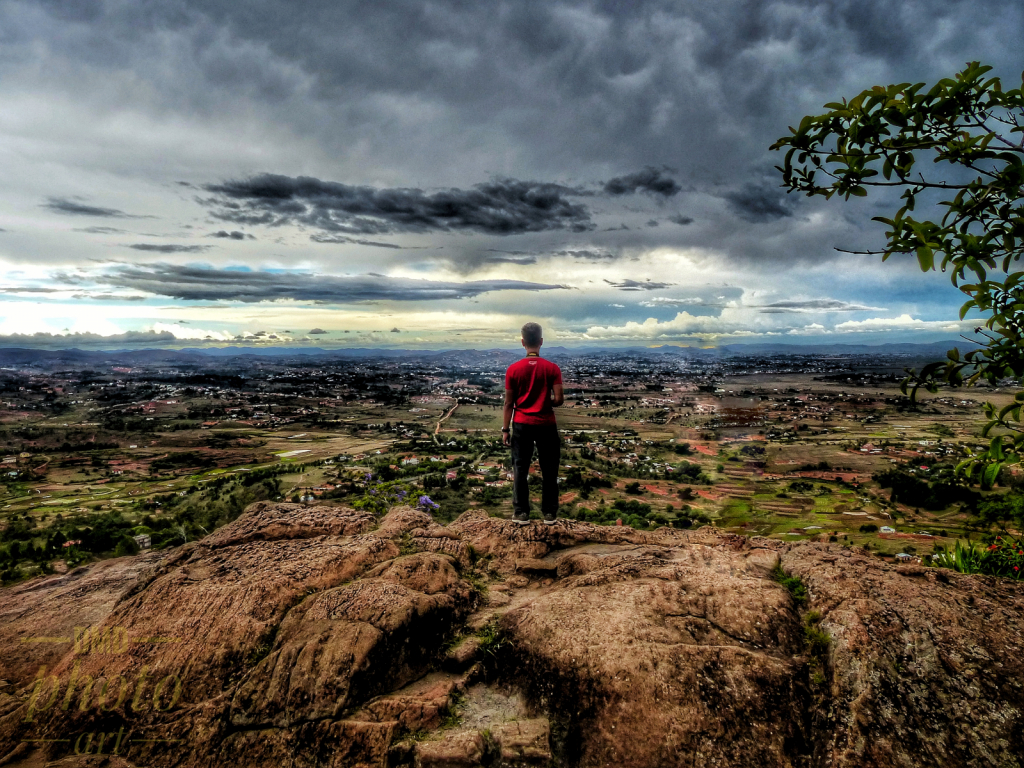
{"points": [[522, 518], [550, 519]]}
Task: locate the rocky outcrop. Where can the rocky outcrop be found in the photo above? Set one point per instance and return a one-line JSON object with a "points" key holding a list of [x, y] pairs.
{"points": [[923, 662], [318, 636]]}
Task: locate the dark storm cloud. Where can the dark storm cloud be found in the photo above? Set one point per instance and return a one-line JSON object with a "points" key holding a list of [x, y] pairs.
{"points": [[759, 203], [338, 239], [651, 180], [526, 258], [587, 254], [443, 93], [816, 305], [109, 297], [636, 285], [497, 256], [74, 208], [27, 289], [498, 207], [232, 235], [101, 230], [520, 260], [681, 220], [206, 284], [168, 248]]}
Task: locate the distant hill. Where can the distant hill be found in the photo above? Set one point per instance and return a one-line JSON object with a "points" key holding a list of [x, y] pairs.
{"points": [[195, 355]]}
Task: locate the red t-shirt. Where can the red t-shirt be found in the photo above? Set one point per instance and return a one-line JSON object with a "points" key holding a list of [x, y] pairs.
{"points": [[531, 379]]}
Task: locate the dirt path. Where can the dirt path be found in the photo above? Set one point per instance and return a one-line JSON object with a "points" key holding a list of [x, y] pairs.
{"points": [[442, 420]]}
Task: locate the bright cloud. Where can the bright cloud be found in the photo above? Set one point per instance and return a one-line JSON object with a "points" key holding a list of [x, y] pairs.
{"points": [[682, 325], [190, 333], [813, 329], [900, 323]]}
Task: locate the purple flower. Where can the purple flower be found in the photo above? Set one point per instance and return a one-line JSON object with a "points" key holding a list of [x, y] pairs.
{"points": [[427, 503]]}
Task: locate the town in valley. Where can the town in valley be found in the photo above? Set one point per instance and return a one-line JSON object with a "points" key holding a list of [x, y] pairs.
{"points": [[108, 454]]}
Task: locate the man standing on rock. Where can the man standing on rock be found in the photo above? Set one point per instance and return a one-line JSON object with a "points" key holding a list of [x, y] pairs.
{"points": [[533, 387]]}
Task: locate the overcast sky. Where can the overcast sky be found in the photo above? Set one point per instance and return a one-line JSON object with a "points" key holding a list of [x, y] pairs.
{"points": [[434, 174]]}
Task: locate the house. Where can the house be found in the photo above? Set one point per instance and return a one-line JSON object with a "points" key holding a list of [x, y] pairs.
{"points": [[903, 557], [143, 540], [887, 529]]}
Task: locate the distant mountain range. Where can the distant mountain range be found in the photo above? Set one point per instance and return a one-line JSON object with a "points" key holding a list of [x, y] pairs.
{"points": [[193, 355]]}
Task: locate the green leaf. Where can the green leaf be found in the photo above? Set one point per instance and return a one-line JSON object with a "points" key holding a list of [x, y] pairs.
{"points": [[990, 474], [926, 258]]}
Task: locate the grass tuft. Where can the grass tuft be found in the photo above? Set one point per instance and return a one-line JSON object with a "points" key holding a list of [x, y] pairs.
{"points": [[793, 584], [816, 639], [453, 712], [406, 546], [492, 640]]}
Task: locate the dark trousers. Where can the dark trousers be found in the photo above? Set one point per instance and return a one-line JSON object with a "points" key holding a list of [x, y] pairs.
{"points": [[549, 445]]}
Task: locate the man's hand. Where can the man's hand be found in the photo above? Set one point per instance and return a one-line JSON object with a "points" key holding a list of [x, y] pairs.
{"points": [[506, 416], [557, 395]]}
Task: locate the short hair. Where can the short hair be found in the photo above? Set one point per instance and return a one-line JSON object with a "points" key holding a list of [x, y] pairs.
{"points": [[532, 334]]}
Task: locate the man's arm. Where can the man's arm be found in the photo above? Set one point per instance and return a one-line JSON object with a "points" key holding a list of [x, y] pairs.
{"points": [[506, 416], [557, 395]]}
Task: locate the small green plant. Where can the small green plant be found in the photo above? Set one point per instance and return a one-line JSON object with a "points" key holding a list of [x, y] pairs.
{"points": [[450, 642], [406, 546], [793, 584], [490, 743], [257, 654], [476, 582], [453, 712], [11, 574], [126, 546], [816, 639], [492, 640], [817, 642]]}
